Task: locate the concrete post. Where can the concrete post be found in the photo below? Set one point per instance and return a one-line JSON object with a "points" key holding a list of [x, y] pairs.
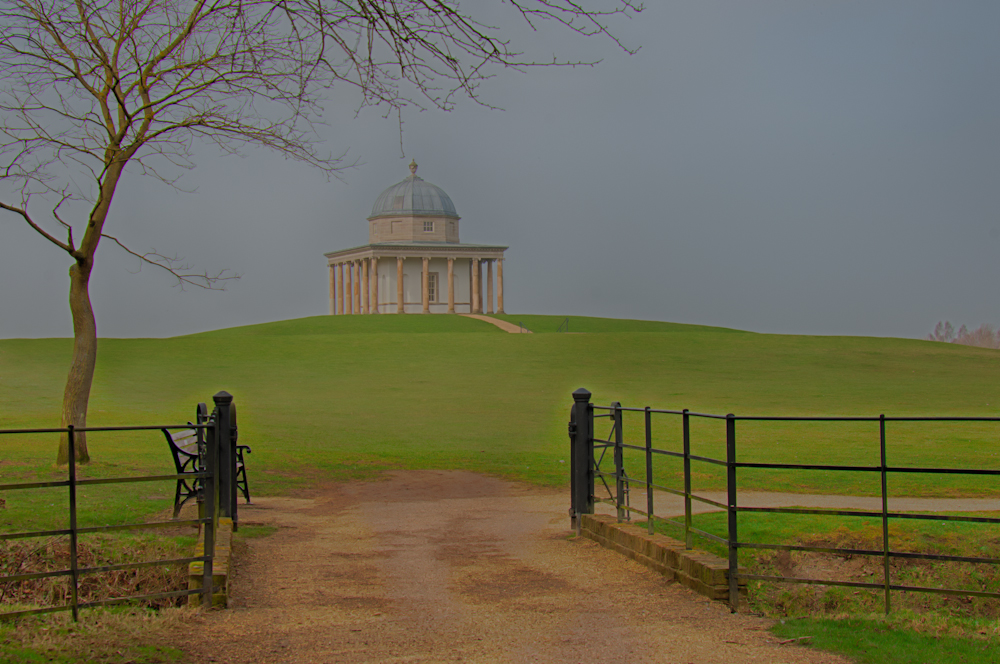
{"points": [[399, 286], [451, 285]]}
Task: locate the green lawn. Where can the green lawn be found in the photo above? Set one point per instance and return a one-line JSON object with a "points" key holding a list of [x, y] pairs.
{"points": [[328, 398]]}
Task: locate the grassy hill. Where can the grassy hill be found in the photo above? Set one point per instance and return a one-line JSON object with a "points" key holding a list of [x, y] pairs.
{"points": [[325, 398]]}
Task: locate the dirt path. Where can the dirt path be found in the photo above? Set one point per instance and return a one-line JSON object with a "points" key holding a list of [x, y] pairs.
{"points": [[449, 566]]}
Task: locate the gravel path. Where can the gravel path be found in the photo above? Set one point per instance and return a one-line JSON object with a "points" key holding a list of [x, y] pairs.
{"points": [[450, 566]]}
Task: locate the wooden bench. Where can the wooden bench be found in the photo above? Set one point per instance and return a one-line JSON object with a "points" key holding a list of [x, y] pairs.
{"points": [[184, 449]]}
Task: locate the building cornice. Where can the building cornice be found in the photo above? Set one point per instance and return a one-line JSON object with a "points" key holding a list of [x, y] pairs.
{"points": [[417, 250], [410, 214]]}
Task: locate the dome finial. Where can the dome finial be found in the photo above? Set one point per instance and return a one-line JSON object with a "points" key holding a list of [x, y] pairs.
{"points": [[413, 167]]}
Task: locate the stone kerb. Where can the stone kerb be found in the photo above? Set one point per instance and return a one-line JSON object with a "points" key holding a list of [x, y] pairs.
{"points": [[702, 572], [220, 565]]}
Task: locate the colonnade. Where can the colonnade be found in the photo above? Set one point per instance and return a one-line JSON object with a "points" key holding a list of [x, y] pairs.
{"points": [[354, 285]]}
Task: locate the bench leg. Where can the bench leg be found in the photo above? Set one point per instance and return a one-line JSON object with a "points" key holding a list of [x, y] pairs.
{"points": [[241, 483], [241, 475], [177, 500]]}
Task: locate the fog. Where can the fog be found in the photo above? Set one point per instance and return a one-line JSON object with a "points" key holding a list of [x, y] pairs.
{"points": [[777, 166]]}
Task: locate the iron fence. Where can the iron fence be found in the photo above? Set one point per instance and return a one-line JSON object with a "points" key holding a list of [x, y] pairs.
{"points": [[586, 470], [209, 435]]}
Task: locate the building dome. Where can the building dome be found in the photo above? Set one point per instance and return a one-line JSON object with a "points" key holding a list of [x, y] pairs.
{"points": [[413, 196]]}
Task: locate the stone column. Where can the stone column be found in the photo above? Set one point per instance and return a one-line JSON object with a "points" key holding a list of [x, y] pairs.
{"points": [[500, 285], [451, 285], [489, 285], [477, 296], [349, 288], [471, 291], [356, 277], [374, 306], [333, 291], [399, 286], [479, 290], [365, 292], [340, 288], [425, 287]]}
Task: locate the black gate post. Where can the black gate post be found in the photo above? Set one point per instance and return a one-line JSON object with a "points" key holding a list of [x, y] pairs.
{"points": [[649, 470], [233, 488], [734, 590], [227, 453], [581, 432], [620, 486], [688, 536], [201, 417], [73, 552], [887, 573], [210, 491]]}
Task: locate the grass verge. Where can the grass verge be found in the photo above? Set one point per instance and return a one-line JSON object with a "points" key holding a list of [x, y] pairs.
{"points": [[878, 640], [30, 556], [922, 627], [114, 634], [110, 635]]}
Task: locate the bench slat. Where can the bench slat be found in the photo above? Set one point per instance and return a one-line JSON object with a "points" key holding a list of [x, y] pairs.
{"points": [[186, 441]]}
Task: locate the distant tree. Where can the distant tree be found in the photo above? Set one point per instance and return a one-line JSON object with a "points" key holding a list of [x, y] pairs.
{"points": [[942, 332], [983, 336], [92, 88]]}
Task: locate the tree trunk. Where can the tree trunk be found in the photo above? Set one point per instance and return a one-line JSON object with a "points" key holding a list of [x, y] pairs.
{"points": [[81, 372]]}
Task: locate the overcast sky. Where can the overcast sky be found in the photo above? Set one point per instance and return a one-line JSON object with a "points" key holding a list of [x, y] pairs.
{"points": [[779, 166]]}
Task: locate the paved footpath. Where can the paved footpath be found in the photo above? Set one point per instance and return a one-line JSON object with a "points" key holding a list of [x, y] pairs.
{"points": [[670, 504], [450, 566], [502, 324]]}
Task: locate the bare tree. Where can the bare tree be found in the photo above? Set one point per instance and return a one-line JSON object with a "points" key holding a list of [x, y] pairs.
{"points": [[943, 331], [92, 87], [984, 336]]}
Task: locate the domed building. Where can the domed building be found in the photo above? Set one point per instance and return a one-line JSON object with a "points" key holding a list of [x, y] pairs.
{"points": [[414, 262]]}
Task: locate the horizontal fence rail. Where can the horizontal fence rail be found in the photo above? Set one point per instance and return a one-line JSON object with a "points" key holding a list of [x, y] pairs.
{"points": [[588, 455], [208, 477]]}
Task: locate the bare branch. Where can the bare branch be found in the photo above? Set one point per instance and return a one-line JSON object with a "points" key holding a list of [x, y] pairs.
{"points": [[180, 270], [69, 229], [31, 222]]}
